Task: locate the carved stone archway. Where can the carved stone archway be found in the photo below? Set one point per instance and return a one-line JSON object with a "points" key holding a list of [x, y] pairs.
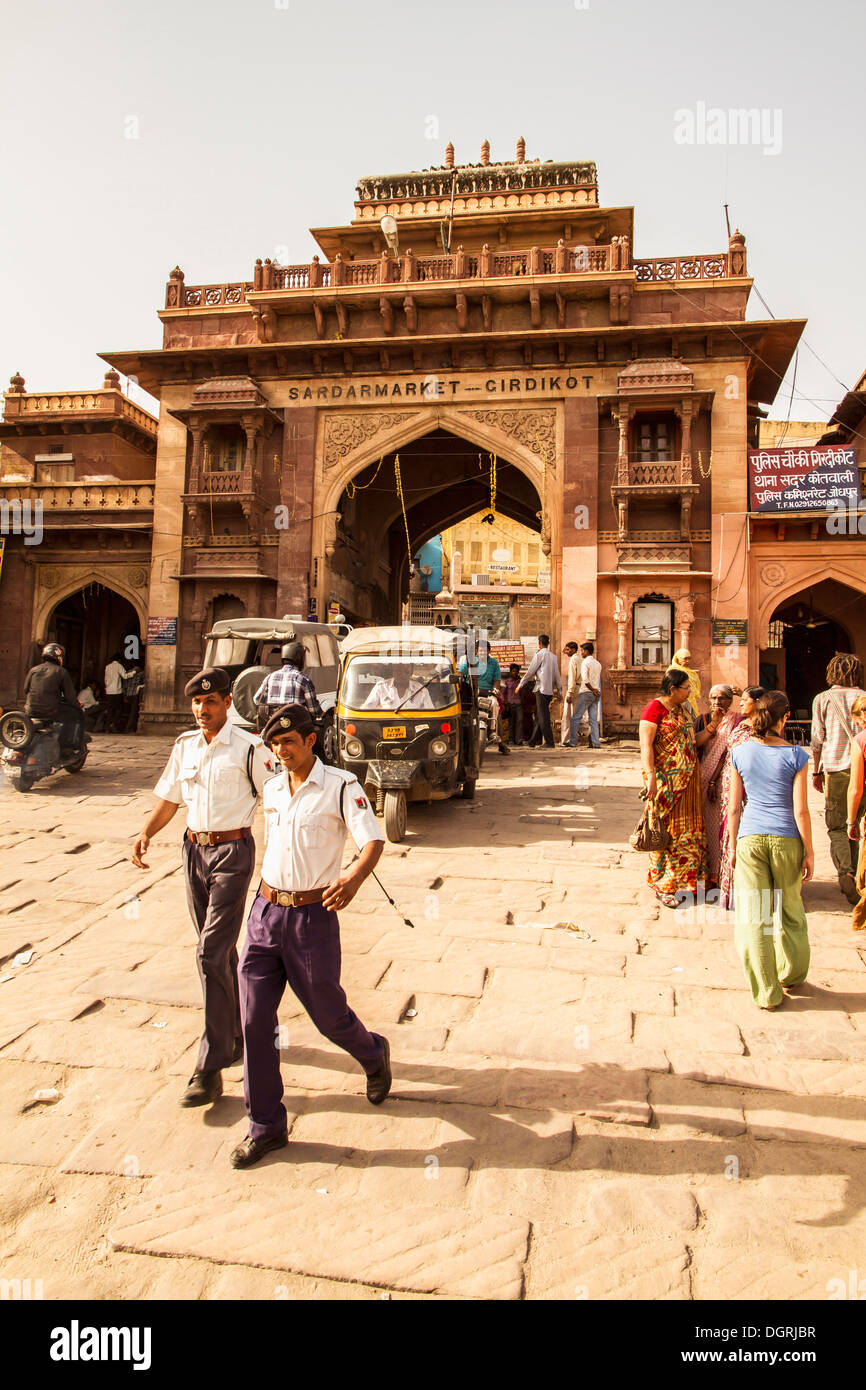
{"points": [[54, 583], [778, 582], [530, 437]]}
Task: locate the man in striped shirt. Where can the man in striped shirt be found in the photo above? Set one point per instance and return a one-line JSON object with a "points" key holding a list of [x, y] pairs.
{"points": [[288, 686], [832, 732]]}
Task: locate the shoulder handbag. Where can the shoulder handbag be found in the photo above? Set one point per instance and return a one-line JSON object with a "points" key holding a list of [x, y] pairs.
{"points": [[649, 836]]}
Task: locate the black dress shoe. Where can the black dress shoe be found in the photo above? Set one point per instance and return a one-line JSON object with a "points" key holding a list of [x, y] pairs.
{"points": [[379, 1084], [203, 1088], [238, 1053], [251, 1150]]}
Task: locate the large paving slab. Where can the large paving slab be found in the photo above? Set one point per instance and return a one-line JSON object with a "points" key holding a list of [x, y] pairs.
{"points": [[586, 1103]]}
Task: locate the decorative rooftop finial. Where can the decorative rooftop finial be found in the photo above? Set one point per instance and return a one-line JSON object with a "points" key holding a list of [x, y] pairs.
{"points": [[449, 156], [485, 152], [521, 151], [176, 274], [112, 380], [17, 382]]}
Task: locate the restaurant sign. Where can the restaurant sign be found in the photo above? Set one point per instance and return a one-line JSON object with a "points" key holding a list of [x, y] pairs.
{"points": [[803, 479]]}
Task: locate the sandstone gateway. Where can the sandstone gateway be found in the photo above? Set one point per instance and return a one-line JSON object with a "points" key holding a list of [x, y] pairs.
{"points": [[320, 420]]}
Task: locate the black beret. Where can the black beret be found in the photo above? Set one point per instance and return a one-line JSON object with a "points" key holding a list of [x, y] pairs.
{"points": [[211, 679], [290, 719]]}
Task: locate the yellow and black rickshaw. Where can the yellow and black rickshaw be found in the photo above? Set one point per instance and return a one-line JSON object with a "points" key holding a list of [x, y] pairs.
{"points": [[406, 721]]}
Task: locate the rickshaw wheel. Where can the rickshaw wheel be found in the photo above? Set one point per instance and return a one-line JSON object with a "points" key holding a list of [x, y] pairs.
{"points": [[395, 816]]}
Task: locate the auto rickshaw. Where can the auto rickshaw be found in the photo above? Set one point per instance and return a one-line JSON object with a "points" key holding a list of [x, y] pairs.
{"points": [[406, 720]]}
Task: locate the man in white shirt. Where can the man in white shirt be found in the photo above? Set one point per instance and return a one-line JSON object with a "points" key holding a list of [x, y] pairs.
{"points": [[218, 771], [401, 689], [115, 673], [544, 670], [293, 934], [584, 691]]}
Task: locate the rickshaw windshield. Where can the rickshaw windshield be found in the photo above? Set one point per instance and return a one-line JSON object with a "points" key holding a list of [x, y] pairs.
{"points": [[399, 682]]}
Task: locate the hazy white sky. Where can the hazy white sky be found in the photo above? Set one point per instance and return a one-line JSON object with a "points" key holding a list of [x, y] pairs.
{"points": [[255, 118]]}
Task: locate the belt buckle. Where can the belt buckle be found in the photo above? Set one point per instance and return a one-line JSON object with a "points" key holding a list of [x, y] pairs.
{"points": [[202, 837], [285, 899]]}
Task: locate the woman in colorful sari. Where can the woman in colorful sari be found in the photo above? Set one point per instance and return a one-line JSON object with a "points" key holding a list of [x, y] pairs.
{"points": [[712, 734], [741, 734], [673, 788]]}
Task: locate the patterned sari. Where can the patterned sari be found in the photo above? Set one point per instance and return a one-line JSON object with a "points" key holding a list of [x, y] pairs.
{"points": [[683, 864], [741, 734], [713, 758]]}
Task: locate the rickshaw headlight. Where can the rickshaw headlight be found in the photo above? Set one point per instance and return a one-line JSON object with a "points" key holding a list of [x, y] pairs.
{"points": [[354, 748], [439, 747]]}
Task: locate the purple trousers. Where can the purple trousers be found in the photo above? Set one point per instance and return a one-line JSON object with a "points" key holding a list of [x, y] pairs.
{"points": [[299, 946]]}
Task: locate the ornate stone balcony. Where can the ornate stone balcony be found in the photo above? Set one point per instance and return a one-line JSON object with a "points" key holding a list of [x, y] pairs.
{"points": [[486, 264]]}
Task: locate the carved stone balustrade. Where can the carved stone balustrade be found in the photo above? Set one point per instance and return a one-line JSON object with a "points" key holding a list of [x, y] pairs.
{"points": [[106, 498]]}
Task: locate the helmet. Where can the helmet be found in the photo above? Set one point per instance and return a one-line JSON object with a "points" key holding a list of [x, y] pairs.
{"points": [[294, 652], [52, 652]]}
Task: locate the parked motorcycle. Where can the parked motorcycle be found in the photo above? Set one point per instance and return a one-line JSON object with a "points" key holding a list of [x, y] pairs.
{"points": [[31, 750]]}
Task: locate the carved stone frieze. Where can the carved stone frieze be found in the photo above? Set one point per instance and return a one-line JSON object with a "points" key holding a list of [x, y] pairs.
{"points": [[347, 431], [534, 429]]}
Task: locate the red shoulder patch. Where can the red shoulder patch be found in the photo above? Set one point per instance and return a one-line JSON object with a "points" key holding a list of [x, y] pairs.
{"points": [[362, 802]]}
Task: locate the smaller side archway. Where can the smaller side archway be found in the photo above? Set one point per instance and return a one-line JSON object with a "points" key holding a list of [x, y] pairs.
{"points": [[92, 624]]}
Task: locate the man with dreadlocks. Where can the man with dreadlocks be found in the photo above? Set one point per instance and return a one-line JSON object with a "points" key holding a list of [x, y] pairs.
{"points": [[833, 729]]}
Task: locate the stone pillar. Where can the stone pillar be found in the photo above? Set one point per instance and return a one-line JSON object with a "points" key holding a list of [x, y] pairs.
{"points": [[162, 701], [579, 521], [730, 543], [622, 415], [295, 559], [620, 618]]}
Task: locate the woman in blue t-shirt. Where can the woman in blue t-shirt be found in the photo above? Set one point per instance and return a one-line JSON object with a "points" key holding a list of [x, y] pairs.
{"points": [[773, 853]]}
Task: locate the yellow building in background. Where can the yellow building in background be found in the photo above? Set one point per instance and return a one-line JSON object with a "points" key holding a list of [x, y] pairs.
{"points": [[504, 550]]}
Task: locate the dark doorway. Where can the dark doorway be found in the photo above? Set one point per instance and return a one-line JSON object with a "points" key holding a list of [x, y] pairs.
{"points": [[811, 637], [92, 625]]}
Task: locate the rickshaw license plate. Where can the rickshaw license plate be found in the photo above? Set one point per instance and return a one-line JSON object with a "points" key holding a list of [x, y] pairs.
{"points": [[394, 731]]}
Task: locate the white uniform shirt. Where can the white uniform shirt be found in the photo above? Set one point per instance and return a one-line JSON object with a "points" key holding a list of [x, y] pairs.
{"points": [[590, 674], [114, 674], [385, 695], [305, 835], [211, 778]]}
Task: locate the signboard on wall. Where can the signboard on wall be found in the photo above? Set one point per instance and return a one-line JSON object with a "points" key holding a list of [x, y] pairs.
{"points": [[162, 632], [727, 631], [508, 652], [803, 480]]}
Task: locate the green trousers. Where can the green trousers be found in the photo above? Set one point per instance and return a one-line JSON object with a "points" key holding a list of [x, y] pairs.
{"points": [[843, 850], [771, 934]]}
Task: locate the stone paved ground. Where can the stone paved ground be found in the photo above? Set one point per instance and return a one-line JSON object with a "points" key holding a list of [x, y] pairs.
{"points": [[596, 1114]]}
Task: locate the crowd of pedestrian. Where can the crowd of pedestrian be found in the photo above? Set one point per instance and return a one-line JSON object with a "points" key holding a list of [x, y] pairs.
{"points": [[729, 790]]}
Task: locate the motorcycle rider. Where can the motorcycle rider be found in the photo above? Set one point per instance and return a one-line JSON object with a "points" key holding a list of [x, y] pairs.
{"points": [[50, 694], [287, 686], [488, 674]]}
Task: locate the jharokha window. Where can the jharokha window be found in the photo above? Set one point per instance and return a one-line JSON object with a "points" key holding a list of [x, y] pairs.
{"points": [[652, 626], [654, 439], [224, 451]]}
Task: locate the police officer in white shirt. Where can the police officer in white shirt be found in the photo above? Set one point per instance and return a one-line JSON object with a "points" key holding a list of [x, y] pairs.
{"points": [[218, 771], [293, 935]]}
